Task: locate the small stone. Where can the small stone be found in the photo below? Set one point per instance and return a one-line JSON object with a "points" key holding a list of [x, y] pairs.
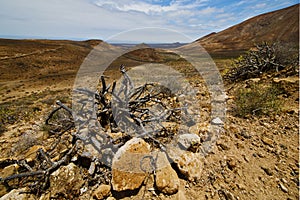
{"points": [[92, 168], [101, 192], [229, 195], [195, 129], [111, 198], [31, 154], [45, 196], [241, 186], [217, 121], [286, 80], [126, 165], [83, 190], [188, 140], [277, 169], [283, 188], [66, 180], [166, 180], [268, 171], [231, 164], [222, 145], [9, 170], [267, 141], [261, 155], [246, 158], [19, 194], [220, 98], [284, 180]]}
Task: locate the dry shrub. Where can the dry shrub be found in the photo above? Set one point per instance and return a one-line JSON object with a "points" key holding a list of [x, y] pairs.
{"points": [[257, 99], [265, 59]]}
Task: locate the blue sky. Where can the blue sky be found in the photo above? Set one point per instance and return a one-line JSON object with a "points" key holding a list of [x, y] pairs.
{"points": [[113, 20]]}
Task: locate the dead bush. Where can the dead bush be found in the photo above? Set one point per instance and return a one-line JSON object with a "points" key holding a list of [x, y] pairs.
{"points": [[265, 58]]}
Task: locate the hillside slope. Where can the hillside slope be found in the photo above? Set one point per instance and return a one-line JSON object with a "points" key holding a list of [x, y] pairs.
{"points": [[29, 58], [277, 26]]}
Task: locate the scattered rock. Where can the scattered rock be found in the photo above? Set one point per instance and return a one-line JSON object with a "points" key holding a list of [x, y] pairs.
{"points": [[221, 97], [283, 188], [67, 180], [166, 180], [222, 145], [245, 134], [255, 80], [290, 79], [217, 121], [45, 196], [126, 165], [194, 129], [268, 171], [199, 128], [102, 191], [284, 180], [19, 194], [261, 154], [9, 170], [229, 195], [231, 163], [188, 140], [188, 163], [267, 141], [31, 154], [92, 168]]}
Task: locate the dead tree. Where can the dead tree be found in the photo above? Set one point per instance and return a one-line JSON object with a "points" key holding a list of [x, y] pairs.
{"points": [[254, 63], [125, 109]]}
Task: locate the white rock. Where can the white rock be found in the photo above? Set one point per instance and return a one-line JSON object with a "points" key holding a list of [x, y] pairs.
{"points": [[187, 140], [189, 164], [217, 121], [283, 188]]}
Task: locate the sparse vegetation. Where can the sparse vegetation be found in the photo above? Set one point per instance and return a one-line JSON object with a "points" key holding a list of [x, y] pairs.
{"points": [[25, 142], [255, 157], [257, 99], [265, 58]]}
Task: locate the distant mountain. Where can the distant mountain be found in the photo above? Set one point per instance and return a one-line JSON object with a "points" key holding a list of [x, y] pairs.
{"points": [[277, 26]]}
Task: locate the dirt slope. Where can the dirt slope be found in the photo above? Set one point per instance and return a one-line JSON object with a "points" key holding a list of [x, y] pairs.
{"points": [[281, 25], [28, 58]]}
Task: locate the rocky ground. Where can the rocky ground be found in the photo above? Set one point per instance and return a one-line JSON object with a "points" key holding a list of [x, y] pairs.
{"points": [[255, 157]]}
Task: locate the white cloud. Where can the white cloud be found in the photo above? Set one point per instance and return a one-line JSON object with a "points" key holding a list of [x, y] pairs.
{"points": [[146, 6], [104, 18], [136, 6], [260, 5], [210, 10]]}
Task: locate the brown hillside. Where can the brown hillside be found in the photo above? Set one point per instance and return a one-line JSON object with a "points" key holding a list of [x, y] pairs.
{"points": [[277, 26], [31, 58]]}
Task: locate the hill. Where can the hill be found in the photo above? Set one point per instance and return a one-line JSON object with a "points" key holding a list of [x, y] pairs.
{"points": [[277, 26], [29, 58]]}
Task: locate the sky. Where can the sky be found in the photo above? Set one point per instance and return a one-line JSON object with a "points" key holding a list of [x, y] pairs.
{"points": [[127, 20]]}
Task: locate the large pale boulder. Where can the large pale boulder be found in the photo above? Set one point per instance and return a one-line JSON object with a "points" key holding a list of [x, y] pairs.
{"points": [[127, 170]]}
